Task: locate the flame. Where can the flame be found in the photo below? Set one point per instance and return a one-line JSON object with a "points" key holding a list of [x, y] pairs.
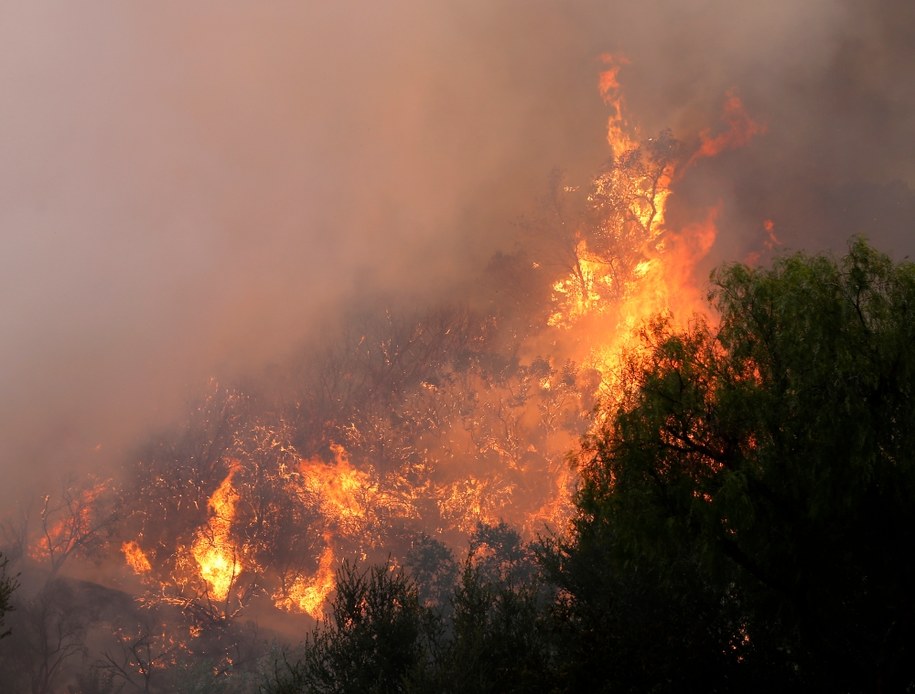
{"points": [[136, 558], [216, 555], [346, 498], [741, 128], [771, 239], [580, 293], [477, 448], [770, 242], [662, 284], [68, 523], [344, 492], [612, 306], [308, 594], [618, 135], [468, 501], [559, 507]]}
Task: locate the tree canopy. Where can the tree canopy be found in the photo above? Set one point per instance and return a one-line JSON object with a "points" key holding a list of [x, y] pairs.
{"points": [[759, 475]]}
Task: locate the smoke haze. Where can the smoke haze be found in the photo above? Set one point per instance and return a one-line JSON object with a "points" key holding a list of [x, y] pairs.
{"points": [[191, 189]]}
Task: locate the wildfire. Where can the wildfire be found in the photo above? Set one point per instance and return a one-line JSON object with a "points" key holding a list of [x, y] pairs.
{"points": [[308, 594], [558, 508], [581, 292], [346, 498], [480, 439], [469, 501], [136, 558], [634, 193], [68, 523], [215, 553], [618, 136], [343, 492], [741, 128]]}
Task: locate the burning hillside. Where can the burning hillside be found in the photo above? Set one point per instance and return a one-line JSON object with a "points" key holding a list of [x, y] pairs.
{"points": [[289, 287], [427, 423]]}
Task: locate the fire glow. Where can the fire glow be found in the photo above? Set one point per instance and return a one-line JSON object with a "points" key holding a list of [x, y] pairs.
{"points": [[307, 594], [470, 444], [213, 549]]}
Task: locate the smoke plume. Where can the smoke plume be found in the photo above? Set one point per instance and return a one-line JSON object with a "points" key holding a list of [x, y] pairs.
{"points": [[190, 190]]}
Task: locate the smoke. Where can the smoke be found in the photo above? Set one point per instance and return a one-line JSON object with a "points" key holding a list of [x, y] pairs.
{"points": [[191, 189]]}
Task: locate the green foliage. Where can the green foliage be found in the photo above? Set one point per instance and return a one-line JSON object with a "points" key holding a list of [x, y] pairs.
{"points": [[491, 636], [765, 470], [500, 639], [500, 636], [372, 641], [432, 566]]}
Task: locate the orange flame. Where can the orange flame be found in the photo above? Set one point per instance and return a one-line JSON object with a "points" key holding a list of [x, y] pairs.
{"points": [[618, 136], [662, 281], [308, 594], [469, 500], [741, 128], [344, 496], [578, 294], [66, 525], [661, 284], [770, 243], [771, 239], [343, 491], [217, 557], [136, 558]]}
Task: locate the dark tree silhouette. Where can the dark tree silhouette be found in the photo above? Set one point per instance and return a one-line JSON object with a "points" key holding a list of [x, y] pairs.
{"points": [[754, 489], [8, 585]]}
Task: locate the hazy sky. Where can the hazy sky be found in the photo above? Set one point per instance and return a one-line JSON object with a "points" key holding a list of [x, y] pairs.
{"points": [[190, 188]]}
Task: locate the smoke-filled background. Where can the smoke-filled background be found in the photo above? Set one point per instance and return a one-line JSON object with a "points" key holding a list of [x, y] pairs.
{"points": [[190, 190]]}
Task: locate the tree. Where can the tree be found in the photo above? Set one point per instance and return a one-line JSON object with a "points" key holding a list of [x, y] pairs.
{"points": [[434, 571], [499, 628], [373, 641], [8, 585], [759, 476], [612, 223], [50, 628], [486, 632]]}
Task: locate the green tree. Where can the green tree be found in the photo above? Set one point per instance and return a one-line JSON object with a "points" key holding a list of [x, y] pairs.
{"points": [[499, 637], [754, 490], [434, 571], [499, 628], [375, 639], [487, 631]]}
